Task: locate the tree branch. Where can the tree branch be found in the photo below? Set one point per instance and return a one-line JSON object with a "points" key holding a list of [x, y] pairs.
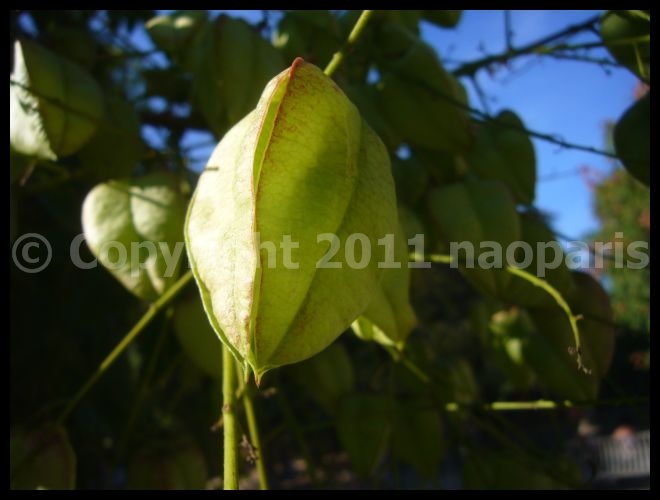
{"points": [[487, 118], [471, 68]]}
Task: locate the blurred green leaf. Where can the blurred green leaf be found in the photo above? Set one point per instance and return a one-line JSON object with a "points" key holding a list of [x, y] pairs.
{"points": [[54, 105]]}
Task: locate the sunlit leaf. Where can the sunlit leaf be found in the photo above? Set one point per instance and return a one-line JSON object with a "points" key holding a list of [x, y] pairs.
{"points": [[135, 229], [54, 105]]}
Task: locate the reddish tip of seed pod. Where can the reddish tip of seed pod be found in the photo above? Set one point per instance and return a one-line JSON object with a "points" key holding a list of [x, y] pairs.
{"points": [[294, 65]]}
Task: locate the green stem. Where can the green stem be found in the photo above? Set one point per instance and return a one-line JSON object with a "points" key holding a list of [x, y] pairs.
{"points": [[141, 395], [151, 313], [400, 357], [338, 57], [253, 428], [229, 420], [554, 293], [534, 280]]}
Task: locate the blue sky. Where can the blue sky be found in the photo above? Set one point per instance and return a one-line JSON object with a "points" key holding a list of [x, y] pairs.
{"points": [[571, 99]]}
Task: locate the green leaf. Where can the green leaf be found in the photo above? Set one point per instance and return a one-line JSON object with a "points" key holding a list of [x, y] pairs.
{"points": [[618, 31], [548, 350], [302, 164], [443, 18], [389, 318], [444, 167], [508, 470], [364, 425], [233, 65], [592, 302], [411, 178], [417, 438], [365, 98], [310, 34], [410, 223], [477, 212], [54, 105], [121, 125], [41, 459], [326, 377], [197, 337], [632, 139], [503, 152], [176, 464], [74, 43], [407, 19], [419, 98], [173, 32], [147, 212]]}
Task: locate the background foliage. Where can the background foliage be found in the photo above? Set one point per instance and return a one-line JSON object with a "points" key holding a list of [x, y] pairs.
{"points": [[82, 102]]}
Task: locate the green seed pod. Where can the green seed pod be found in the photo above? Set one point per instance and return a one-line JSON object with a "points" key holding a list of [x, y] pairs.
{"points": [[302, 165], [54, 104], [389, 317], [133, 227]]}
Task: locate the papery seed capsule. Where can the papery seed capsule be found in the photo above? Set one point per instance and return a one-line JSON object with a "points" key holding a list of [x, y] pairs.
{"points": [[303, 164]]}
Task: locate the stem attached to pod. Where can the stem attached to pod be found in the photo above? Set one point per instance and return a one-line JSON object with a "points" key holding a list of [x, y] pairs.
{"points": [[229, 420]]}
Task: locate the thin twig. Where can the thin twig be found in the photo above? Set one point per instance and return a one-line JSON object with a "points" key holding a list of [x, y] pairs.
{"points": [[151, 313], [145, 384], [538, 282], [472, 67], [484, 117]]}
